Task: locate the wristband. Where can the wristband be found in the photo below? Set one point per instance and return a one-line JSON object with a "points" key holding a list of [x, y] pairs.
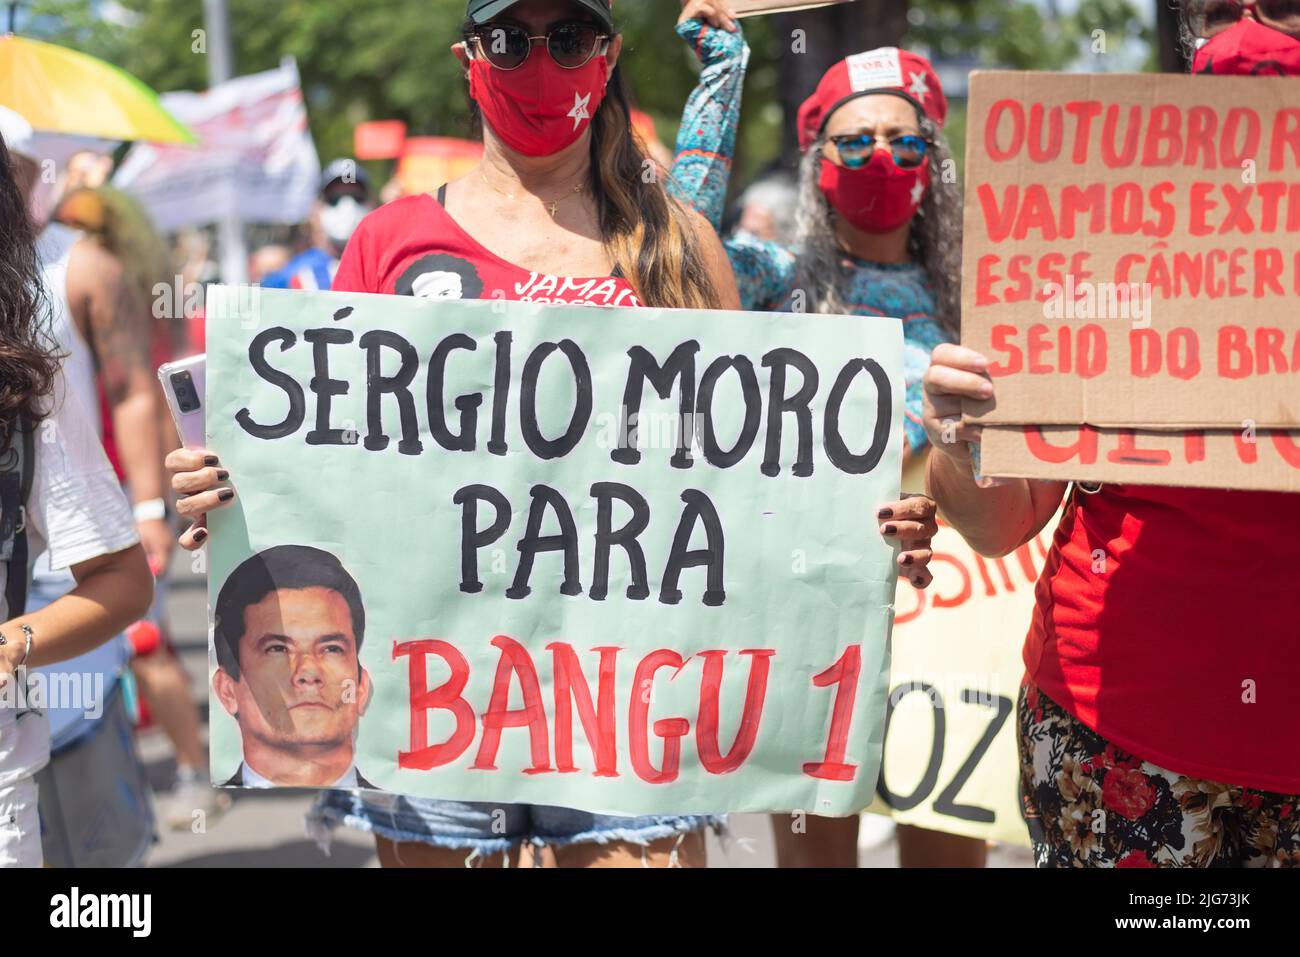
{"points": [[26, 629], [151, 510], [27, 634]]}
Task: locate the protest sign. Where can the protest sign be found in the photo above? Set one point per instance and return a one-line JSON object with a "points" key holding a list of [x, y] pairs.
{"points": [[950, 761], [1132, 249], [510, 574], [754, 8], [255, 158], [1247, 458]]}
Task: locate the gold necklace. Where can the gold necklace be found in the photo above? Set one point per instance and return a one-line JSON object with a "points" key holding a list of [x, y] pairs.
{"points": [[552, 207]]}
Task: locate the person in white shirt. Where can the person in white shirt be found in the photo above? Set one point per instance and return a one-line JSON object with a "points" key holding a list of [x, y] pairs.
{"points": [[74, 510], [97, 282]]}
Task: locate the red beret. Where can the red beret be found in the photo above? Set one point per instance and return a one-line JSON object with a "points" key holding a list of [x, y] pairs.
{"points": [[886, 70]]}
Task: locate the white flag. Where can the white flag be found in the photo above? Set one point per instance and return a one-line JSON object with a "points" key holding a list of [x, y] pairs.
{"points": [[255, 156]]}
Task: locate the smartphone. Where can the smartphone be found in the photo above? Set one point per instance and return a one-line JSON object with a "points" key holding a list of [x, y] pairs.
{"points": [[184, 385]]}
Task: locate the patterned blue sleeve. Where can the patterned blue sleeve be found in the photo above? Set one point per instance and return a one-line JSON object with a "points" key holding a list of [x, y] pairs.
{"points": [[706, 140], [920, 335], [765, 273], [706, 144]]}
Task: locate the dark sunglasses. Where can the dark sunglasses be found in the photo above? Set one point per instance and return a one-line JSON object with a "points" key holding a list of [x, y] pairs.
{"points": [[506, 46], [856, 149], [1207, 18]]}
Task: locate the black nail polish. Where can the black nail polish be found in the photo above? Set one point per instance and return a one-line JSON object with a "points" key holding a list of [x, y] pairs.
{"points": [[211, 460], [907, 559], [200, 534], [226, 494], [885, 513], [918, 582], [222, 475], [891, 529]]}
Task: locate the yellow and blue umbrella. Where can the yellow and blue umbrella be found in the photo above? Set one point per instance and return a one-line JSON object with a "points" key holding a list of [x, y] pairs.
{"points": [[58, 90]]}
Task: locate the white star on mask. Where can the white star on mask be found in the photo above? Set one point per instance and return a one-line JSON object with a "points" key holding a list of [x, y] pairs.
{"points": [[919, 88], [579, 111], [918, 193]]}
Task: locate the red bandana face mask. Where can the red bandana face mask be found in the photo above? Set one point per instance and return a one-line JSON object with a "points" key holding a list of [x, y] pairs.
{"points": [[1249, 48], [879, 197], [540, 108]]}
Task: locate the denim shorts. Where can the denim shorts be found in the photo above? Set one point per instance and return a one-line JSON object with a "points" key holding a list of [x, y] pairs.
{"points": [[488, 828]]}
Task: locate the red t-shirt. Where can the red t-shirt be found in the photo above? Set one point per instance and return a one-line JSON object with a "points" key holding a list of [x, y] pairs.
{"points": [[413, 247], [1168, 621]]}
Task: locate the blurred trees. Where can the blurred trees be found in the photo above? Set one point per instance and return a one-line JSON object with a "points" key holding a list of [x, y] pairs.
{"points": [[377, 59], [1024, 36], [389, 59]]}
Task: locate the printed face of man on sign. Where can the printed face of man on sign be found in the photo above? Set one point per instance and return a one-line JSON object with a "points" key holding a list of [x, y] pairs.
{"points": [[289, 628]]}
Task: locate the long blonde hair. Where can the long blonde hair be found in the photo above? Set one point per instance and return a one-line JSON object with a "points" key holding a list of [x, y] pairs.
{"points": [[649, 235]]}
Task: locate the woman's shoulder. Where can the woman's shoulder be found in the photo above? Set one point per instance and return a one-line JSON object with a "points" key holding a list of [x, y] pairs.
{"points": [[400, 215]]}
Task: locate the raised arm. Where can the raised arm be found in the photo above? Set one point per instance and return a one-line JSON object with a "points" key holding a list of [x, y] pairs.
{"points": [[706, 144], [706, 140]]}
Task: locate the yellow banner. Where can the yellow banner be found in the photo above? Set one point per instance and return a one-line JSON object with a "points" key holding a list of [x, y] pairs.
{"points": [[950, 759]]}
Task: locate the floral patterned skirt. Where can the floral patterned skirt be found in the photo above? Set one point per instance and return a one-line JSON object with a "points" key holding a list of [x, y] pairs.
{"points": [[1090, 804]]}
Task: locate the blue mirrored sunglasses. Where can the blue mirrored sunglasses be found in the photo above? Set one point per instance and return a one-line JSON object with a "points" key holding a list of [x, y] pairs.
{"points": [[908, 151]]}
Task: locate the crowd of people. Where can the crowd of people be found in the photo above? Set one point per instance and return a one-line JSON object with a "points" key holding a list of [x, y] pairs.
{"points": [[1123, 708]]}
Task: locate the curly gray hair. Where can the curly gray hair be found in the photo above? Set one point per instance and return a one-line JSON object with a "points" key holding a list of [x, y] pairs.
{"points": [[934, 244]]}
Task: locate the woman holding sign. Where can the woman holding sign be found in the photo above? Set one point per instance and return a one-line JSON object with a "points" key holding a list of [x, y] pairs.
{"points": [[878, 234], [560, 194], [1157, 717]]}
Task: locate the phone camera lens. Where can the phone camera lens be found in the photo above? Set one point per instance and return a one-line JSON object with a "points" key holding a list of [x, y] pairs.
{"points": [[187, 397]]}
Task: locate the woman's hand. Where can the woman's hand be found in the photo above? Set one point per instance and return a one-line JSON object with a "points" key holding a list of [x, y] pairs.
{"points": [[955, 374], [715, 13], [911, 524], [12, 653], [197, 477]]}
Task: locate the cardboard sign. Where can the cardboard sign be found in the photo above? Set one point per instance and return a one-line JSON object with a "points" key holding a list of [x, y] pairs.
{"points": [[620, 560], [1132, 249], [754, 8], [950, 760], [1266, 460]]}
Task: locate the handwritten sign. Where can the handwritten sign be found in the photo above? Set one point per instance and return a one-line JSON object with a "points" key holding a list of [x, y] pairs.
{"points": [[621, 560], [1132, 250], [1265, 460], [950, 762], [753, 8]]}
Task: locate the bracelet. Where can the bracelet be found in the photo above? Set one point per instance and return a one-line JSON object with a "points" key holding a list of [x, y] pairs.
{"points": [[150, 510], [26, 629]]}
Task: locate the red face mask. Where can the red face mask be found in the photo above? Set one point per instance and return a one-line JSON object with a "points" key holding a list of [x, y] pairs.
{"points": [[540, 108], [878, 197], [1249, 48]]}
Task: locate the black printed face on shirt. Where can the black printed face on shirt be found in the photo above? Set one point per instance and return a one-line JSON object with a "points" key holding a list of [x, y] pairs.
{"points": [[440, 276]]}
